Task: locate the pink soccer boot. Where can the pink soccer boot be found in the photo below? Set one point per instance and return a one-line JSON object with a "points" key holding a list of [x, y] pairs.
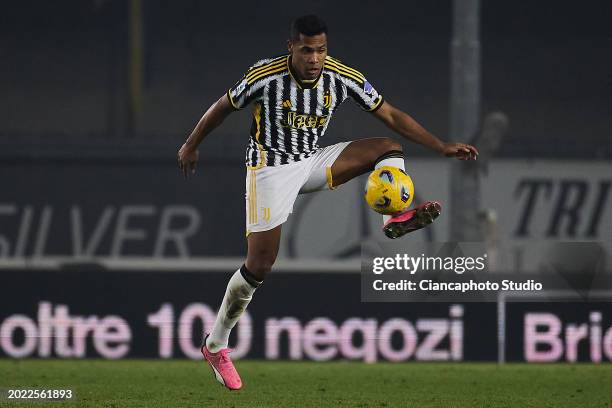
{"points": [[222, 366], [412, 220]]}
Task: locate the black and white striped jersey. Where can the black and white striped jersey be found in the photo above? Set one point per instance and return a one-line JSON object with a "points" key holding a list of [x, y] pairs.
{"points": [[289, 116]]}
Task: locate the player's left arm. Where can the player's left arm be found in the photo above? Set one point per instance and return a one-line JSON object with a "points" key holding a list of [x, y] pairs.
{"points": [[405, 125]]}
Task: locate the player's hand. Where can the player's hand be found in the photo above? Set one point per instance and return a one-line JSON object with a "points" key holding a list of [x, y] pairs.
{"points": [[461, 151], [187, 159]]}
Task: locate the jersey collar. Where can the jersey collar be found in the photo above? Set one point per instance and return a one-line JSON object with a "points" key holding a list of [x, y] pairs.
{"points": [[294, 75]]}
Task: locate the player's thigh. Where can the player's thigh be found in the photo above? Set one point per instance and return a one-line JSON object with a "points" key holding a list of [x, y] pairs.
{"points": [[262, 251], [270, 195], [359, 157], [318, 168]]}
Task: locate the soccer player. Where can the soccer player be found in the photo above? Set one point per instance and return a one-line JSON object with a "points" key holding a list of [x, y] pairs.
{"points": [[294, 97]]}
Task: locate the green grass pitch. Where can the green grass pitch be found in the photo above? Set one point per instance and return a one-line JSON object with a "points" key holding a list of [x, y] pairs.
{"points": [[160, 383]]}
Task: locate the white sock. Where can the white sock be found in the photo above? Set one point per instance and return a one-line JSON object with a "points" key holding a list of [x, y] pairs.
{"points": [[237, 297], [395, 159]]}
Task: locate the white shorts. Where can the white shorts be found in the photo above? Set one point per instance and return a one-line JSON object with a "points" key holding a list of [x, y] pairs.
{"points": [[272, 191]]}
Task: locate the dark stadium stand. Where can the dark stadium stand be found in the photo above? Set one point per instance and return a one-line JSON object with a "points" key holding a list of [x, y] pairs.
{"points": [[64, 88]]}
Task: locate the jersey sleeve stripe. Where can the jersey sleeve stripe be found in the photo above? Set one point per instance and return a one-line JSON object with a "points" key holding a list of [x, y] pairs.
{"points": [[344, 73], [343, 68], [264, 62], [229, 96], [378, 104], [346, 67], [267, 68], [257, 117], [267, 73], [340, 67], [264, 67]]}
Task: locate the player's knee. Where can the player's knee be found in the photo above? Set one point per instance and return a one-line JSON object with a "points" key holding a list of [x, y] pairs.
{"points": [[260, 265], [387, 144], [385, 148]]}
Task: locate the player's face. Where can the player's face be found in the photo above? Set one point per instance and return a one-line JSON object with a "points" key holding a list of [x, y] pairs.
{"points": [[308, 55]]}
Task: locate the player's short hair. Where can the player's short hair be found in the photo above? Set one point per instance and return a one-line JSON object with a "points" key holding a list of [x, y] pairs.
{"points": [[308, 25]]}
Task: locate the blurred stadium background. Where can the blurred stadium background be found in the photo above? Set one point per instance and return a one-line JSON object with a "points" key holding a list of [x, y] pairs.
{"points": [[106, 251]]}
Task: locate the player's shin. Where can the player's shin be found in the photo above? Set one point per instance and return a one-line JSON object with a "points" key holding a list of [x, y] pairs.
{"points": [[238, 294], [393, 158]]}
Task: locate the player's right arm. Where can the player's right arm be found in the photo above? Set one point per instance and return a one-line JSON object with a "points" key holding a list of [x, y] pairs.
{"points": [[188, 153], [247, 90]]}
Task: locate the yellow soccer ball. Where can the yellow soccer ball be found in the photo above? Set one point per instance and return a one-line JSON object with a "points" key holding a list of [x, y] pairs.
{"points": [[389, 190]]}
